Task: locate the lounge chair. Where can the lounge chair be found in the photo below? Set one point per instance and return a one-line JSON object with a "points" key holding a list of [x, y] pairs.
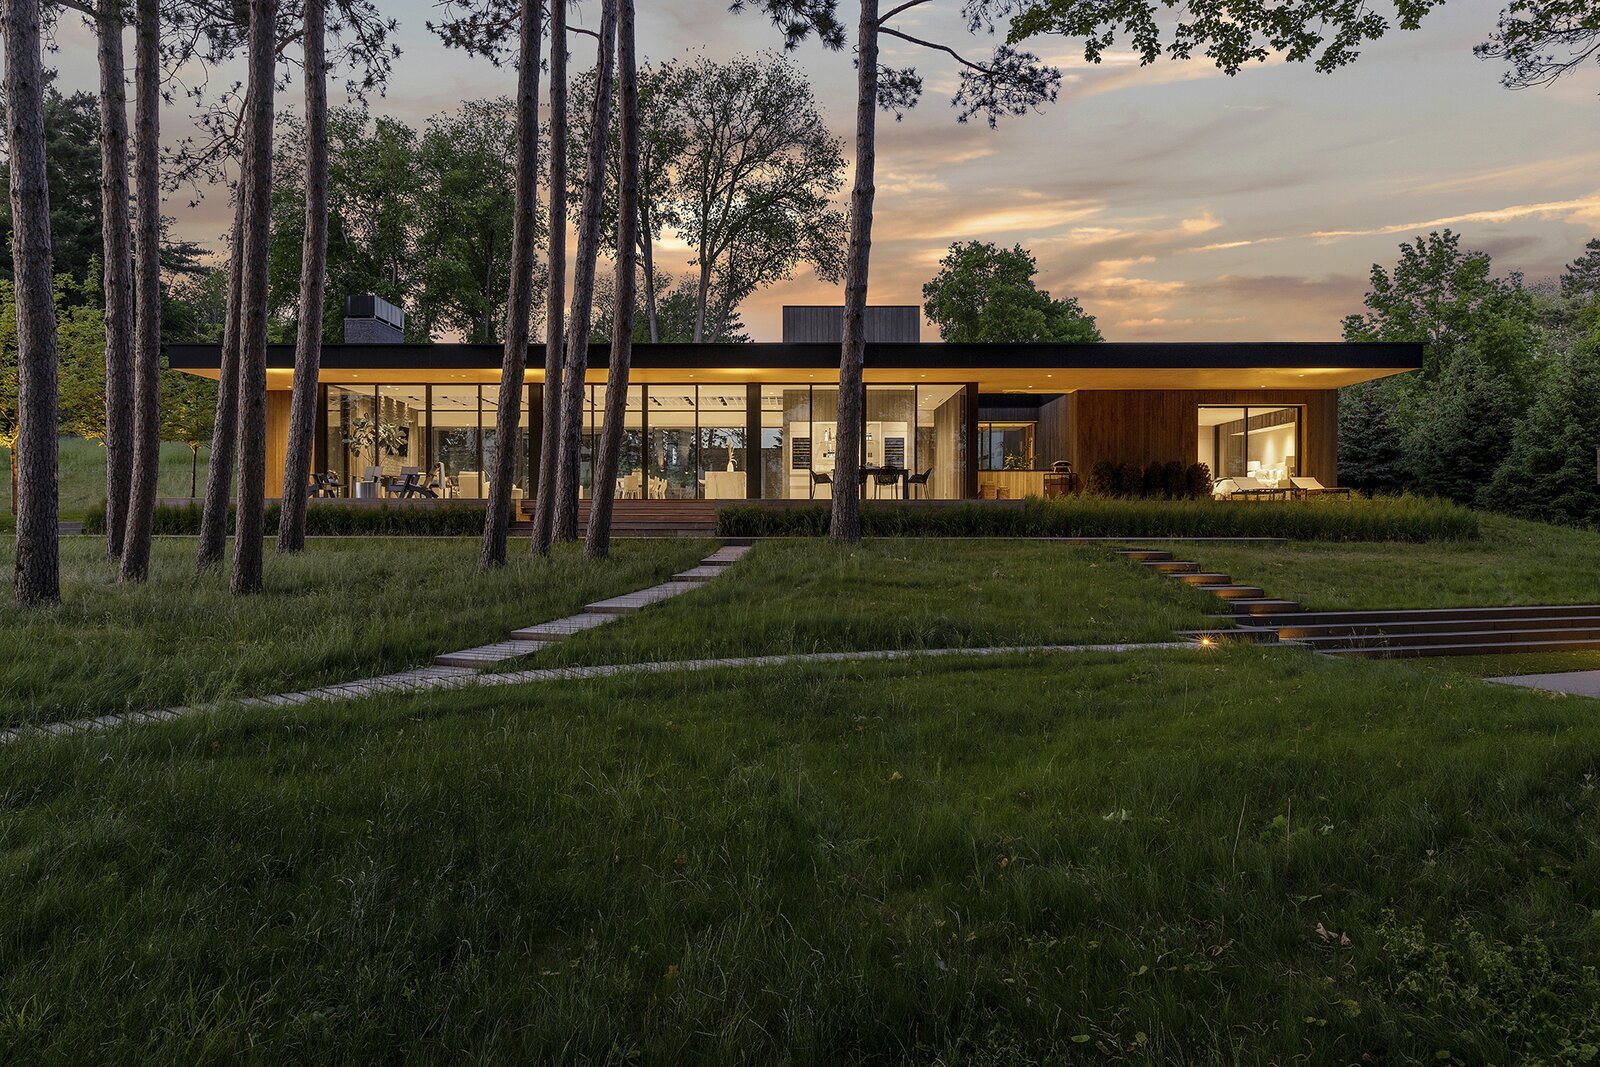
{"points": [[1311, 487]]}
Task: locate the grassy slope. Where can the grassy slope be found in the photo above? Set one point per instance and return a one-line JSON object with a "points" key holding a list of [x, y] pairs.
{"points": [[812, 595], [346, 608], [83, 475], [1515, 562], [1092, 858]]}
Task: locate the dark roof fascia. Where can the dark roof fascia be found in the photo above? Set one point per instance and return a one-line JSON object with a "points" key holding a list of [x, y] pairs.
{"points": [[1137, 355]]}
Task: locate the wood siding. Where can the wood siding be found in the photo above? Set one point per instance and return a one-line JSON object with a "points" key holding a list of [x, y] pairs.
{"points": [[277, 439], [1144, 426]]}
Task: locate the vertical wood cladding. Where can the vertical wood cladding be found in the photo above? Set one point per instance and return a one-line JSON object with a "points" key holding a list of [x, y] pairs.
{"points": [[1144, 426], [277, 439]]}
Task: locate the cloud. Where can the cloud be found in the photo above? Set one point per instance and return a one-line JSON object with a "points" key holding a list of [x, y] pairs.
{"points": [[1584, 208]]}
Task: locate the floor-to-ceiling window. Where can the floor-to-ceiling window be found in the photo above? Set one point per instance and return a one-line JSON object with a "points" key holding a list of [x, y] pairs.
{"points": [[456, 445], [941, 441], [671, 467], [1257, 442], [723, 447]]}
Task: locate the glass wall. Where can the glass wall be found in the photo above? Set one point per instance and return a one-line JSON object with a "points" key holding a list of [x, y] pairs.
{"points": [[1006, 446], [1256, 442], [680, 442]]}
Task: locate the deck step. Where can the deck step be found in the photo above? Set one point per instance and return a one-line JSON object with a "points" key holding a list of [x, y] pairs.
{"points": [[1169, 566], [1203, 578], [1252, 608], [1509, 646], [1234, 592], [628, 603], [560, 629], [1144, 555]]}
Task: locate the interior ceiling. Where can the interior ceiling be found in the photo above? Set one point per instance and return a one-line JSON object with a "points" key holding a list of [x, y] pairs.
{"points": [[989, 379]]}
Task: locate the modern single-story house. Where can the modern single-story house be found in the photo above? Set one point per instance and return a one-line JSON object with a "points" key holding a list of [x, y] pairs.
{"points": [[758, 421]]}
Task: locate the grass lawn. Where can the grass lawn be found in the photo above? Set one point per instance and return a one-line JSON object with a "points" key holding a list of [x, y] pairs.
{"points": [[1249, 856], [83, 476], [347, 608], [813, 595], [1514, 562]]}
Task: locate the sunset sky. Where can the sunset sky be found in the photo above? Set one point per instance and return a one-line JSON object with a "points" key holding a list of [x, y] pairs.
{"points": [[1174, 202]]}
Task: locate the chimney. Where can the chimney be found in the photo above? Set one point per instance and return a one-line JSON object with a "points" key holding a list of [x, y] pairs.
{"points": [[372, 320], [824, 325]]}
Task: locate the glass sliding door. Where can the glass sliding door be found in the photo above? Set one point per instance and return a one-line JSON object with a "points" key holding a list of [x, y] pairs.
{"points": [[455, 444], [888, 446], [671, 468], [402, 424], [722, 455], [1254, 442], [630, 463]]}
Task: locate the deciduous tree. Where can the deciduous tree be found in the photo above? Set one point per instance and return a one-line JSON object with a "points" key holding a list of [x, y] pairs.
{"points": [[987, 295], [1541, 40]]}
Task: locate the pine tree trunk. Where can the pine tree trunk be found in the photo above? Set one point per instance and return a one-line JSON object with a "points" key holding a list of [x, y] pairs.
{"points": [[313, 279], [225, 430], [250, 511], [117, 272], [647, 248], [37, 578], [852, 353], [519, 296], [564, 520], [146, 294], [597, 541], [556, 296]]}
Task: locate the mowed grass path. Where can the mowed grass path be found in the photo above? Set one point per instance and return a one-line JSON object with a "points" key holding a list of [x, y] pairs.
{"points": [[1514, 562], [346, 608], [895, 593], [1247, 856]]}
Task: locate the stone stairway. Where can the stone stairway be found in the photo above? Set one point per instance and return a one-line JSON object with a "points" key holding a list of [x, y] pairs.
{"points": [[530, 639], [1255, 617]]}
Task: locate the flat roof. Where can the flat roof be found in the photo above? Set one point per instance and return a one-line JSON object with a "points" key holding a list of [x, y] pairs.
{"points": [[996, 367]]}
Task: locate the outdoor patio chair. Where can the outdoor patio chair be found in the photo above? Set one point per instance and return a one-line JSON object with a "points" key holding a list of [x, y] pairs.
{"points": [[1311, 487], [885, 476], [819, 478], [919, 481]]}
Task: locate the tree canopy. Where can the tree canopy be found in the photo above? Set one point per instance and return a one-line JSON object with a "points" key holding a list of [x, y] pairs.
{"points": [[983, 293]]}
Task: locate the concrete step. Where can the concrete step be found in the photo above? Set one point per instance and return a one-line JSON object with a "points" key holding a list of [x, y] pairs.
{"points": [[486, 655], [563, 628], [1144, 554], [628, 603], [1170, 566], [703, 573]]}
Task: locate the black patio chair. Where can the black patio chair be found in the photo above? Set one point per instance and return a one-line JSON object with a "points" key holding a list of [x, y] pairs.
{"points": [[883, 476], [819, 478], [918, 480]]}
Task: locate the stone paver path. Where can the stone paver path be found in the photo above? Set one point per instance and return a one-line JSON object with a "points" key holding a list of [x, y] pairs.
{"points": [[531, 639], [432, 679], [1570, 683]]}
